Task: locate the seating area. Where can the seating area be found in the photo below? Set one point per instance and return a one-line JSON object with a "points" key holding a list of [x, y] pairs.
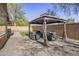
{"points": [[44, 20], [51, 36]]}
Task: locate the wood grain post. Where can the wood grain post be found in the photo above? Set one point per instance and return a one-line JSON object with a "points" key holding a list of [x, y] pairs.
{"points": [[65, 33], [29, 29], [45, 33]]}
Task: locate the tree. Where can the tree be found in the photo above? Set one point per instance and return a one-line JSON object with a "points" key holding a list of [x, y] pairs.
{"points": [[67, 8], [51, 12], [71, 20], [4, 14], [2, 21], [15, 12], [2, 18], [21, 22]]}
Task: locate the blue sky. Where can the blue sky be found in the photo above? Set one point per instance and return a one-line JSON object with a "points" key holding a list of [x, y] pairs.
{"points": [[33, 10]]}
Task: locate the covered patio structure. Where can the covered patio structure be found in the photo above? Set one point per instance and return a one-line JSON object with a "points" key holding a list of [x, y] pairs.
{"points": [[48, 19]]}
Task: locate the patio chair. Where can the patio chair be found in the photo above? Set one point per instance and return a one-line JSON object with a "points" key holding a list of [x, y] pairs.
{"points": [[32, 35], [39, 35], [51, 36]]}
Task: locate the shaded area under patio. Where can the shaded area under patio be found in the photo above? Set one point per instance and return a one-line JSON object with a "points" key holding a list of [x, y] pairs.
{"points": [[48, 19]]}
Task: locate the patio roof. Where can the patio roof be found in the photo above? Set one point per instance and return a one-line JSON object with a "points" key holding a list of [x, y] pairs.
{"points": [[49, 19]]}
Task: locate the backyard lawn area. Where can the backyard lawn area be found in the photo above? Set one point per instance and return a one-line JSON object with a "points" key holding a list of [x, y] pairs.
{"points": [[24, 34]]}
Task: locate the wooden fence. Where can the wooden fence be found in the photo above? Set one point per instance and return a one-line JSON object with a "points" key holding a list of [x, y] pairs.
{"points": [[14, 28], [72, 29]]}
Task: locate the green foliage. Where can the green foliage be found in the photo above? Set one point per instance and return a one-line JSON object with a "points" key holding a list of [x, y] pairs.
{"points": [[16, 15], [21, 22], [2, 20], [24, 33], [71, 20], [2, 16]]}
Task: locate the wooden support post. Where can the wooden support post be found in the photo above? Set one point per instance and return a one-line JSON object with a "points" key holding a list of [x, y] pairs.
{"points": [[65, 33], [45, 33], [29, 29]]}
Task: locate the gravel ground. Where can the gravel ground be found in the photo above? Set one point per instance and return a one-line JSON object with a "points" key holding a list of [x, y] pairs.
{"points": [[55, 48], [23, 46]]}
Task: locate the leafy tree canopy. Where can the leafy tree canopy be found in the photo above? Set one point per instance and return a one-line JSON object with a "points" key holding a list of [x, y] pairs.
{"points": [[16, 15], [67, 8]]}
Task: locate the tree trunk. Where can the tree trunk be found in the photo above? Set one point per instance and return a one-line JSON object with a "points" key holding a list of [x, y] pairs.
{"points": [[6, 24], [4, 8]]}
